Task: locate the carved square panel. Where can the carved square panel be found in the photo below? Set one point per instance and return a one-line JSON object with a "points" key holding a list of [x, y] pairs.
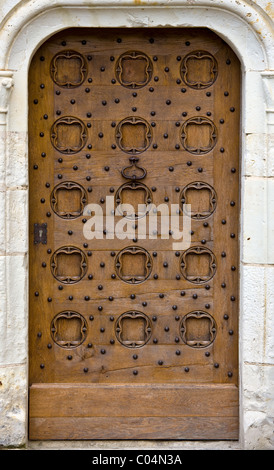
{"points": [[68, 199], [68, 135], [199, 69], [198, 329], [136, 195], [68, 265], [68, 329], [202, 198], [68, 69], [198, 265], [199, 135], [134, 69], [133, 329], [133, 135], [133, 265]]}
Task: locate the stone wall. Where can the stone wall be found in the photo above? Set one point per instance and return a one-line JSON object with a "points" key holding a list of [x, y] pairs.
{"points": [[248, 29]]}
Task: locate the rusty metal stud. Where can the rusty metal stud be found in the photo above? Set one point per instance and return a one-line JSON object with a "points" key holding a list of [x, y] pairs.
{"points": [[155, 276], [165, 135], [103, 351], [203, 241], [60, 176], [155, 146], [102, 330], [69, 357], [205, 224], [116, 100], [154, 318], [178, 277], [100, 287], [49, 251], [178, 352], [91, 317], [207, 354], [183, 293], [44, 265], [90, 276], [42, 366], [232, 298], [49, 299], [228, 61], [160, 363], [89, 146], [168, 102], [35, 101], [222, 121], [189, 163], [70, 297], [155, 58], [41, 134], [75, 167], [161, 296], [230, 332], [85, 370], [165, 264], [233, 170], [232, 203], [155, 341], [102, 264], [111, 318], [233, 268], [49, 346], [198, 108], [223, 285], [89, 345], [151, 89], [186, 369], [207, 287], [100, 308], [87, 297], [72, 101], [171, 168], [207, 305], [232, 109], [223, 254], [226, 317], [174, 307], [70, 232], [222, 149], [39, 334], [200, 169], [229, 374], [166, 328], [166, 69], [60, 287], [135, 356], [177, 339], [232, 235], [208, 113], [144, 304], [195, 296], [177, 318], [42, 86], [132, 296], [135, 372], [216, 365], [208, 93]]}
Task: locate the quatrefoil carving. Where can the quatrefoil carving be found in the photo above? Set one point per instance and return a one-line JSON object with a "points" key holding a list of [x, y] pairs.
{"points": [[133, 135], [134, 69], [68, 200], [133, 329], [202, 198], [198, 264], [198, 135], [199, 69], [68, 69], [133, 265], [198, 329], [68, 264], [68, 329], [68, 135]]}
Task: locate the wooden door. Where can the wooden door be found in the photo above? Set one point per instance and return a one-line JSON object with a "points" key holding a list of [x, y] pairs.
{"points": [[131, 338]]}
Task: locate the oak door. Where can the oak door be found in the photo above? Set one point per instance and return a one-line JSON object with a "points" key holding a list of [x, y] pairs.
{"points": [[132, 335]]}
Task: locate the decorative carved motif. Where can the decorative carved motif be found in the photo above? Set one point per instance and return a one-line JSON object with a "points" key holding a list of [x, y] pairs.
{"points": [[68, 329], [199, 70], [198, 264], [198, 135], [68, 69], [202, 198], [68, 264], [134, 172], [68, 200], [133, 135], [133, 329], [134, 69], [133, 265], [138, 195], [68, 135], [198, 329]]}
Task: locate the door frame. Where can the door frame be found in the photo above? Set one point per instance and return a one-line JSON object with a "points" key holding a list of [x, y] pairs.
{"points": [[26, 28]]}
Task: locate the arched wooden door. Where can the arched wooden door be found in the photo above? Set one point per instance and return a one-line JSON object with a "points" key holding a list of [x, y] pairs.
{"points": [[130, 338]]}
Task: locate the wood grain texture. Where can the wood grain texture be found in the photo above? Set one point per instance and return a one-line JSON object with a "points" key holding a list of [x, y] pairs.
{"points": [[147, 332]]}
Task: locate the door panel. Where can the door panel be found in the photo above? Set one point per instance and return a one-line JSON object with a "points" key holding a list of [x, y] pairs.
{"points": [[130, 338]]}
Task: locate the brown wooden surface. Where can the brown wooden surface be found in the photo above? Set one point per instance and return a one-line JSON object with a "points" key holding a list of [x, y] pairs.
{"points": [[96, 99]]}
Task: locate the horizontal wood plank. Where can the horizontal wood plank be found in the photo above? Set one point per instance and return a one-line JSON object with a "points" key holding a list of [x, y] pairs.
{"points": [[123, 400], [134, 428]]}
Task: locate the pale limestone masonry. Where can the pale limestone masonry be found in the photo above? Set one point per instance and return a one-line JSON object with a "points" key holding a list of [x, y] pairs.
{"points": [[247, 26]]}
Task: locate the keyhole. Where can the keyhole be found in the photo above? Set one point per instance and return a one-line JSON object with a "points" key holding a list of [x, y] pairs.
{"points": [[40, 233]]}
